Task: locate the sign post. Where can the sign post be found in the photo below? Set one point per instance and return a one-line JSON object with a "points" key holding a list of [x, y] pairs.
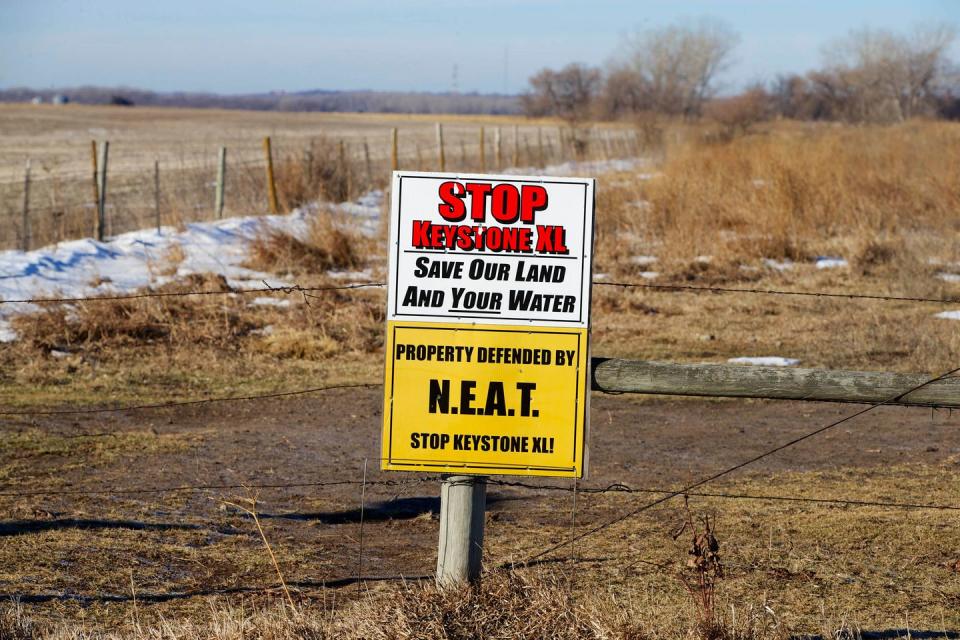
{"points": [[487, 347]]}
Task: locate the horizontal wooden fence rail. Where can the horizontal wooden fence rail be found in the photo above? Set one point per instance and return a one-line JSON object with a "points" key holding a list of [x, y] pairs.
{"points": [[776, 383]]}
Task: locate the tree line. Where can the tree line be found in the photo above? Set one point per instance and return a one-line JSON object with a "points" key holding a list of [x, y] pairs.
{"points": [[869, 75], [347, 101]]}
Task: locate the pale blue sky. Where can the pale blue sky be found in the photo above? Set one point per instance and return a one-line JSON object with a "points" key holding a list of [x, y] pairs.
{"points": [[241, 46]]}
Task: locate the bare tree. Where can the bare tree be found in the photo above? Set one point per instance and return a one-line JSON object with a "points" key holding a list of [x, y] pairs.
{"points": [[567, 93], [624, 93], [677, 65], [888, 75], [738, 114]]}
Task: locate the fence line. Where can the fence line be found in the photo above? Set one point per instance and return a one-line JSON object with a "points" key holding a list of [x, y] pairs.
{"points": [[620, 487], [213, 487], [778, 292], [296, 288], [288, 289], [716, 476], [302, 173], [757, 382], [665, 494], [616, 487], [187, 403]]}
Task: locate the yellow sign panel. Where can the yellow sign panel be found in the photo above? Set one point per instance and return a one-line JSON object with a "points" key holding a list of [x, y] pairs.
{"points": [[493, 399]]}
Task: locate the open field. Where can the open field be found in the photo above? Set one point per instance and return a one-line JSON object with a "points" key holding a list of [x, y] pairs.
{"points": [[790, 208], [162, 163], [58, 137]]}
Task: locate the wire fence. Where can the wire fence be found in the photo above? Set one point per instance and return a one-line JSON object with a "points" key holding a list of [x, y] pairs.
{"points": [[296, 288], [663, 495], [143, 190]]}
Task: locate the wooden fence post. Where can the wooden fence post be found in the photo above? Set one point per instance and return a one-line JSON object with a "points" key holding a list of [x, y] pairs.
{"points": [[93, 164], [308, 163], [25, 220], [516, 146], [102, 190], [221, 180], [498, 148], [613, 375], [271, 183], [366, 162], [342, 161], [394, 157], [441, 159], [540, 159], [156, 193], [463, 501], [483, 153]]}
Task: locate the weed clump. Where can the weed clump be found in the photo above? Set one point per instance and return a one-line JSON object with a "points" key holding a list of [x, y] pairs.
{"points": [[326, 245]]}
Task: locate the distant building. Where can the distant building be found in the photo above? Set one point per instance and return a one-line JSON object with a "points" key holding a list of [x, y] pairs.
{"points": [[37, 100], [59, 99]]}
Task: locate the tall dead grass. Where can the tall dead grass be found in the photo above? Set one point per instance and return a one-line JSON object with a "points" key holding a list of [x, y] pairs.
{"points": [[506, 604], [329, 243], [793, 193], [331, 323]]}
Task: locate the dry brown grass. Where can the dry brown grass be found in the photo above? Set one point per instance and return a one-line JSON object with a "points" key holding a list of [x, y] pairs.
{"points": [[791, 193], [334, 156], [506, 604], [328, 244], [162, 347]]}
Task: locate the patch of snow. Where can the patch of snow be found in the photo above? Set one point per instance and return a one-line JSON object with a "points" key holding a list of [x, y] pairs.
{"points": [[703, 259], [587, 167], [600, 276], [829, 262], [759, 183], [127, 262], [766, 361], [6, 333], [643, 260], [56, 353], [266, 331], [366, 274], [266, 301], [786, 265], [949, 277], [649, 275], [948, 315]]}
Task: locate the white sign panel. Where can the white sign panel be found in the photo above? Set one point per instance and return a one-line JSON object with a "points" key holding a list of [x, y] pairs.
{"points": [[483, 249]]}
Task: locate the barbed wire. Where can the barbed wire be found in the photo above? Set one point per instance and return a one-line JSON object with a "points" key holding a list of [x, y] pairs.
{"points": [[296, 288], [616, 487], [292, 288], [213, 487], [703, 481], [186, 403], [778, 292], [620, 487]]}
